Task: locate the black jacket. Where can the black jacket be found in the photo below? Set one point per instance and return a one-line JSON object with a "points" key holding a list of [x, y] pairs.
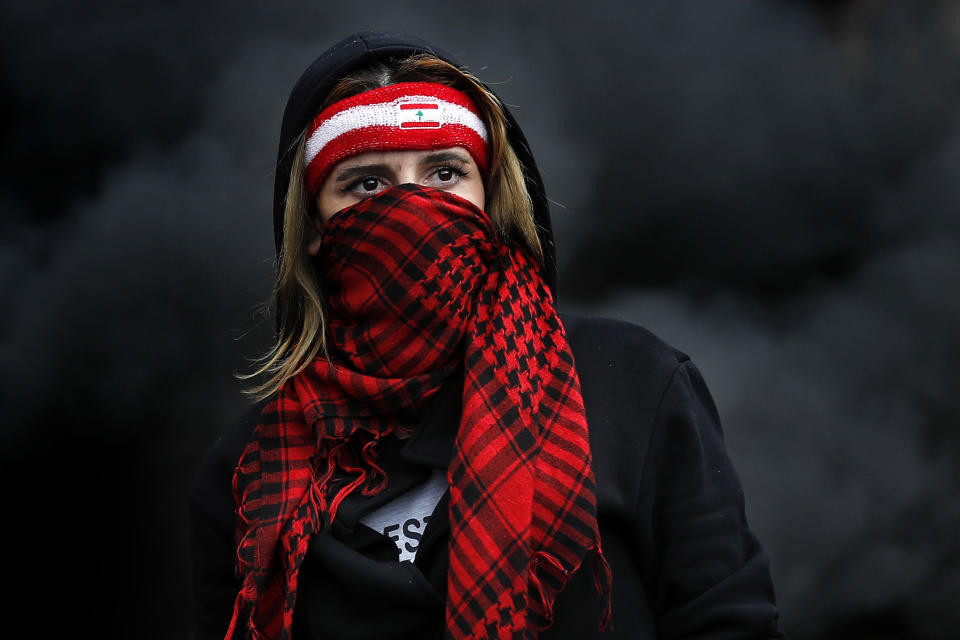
{"points": [[670, 510], [670, 506]]}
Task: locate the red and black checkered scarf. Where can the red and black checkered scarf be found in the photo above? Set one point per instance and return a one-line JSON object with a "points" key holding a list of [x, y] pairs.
{"points": [[417, 282]]}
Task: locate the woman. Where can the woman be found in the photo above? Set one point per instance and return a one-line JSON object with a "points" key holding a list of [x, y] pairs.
{"points": [[438, 453]]}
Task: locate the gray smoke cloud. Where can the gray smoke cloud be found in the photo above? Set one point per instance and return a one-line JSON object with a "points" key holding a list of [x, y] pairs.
{"points": [[769, 186], [809, 258]]}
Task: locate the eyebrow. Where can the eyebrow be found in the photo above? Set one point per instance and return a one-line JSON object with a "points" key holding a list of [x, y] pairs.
{"points": [[443, 156], [361, 170]]}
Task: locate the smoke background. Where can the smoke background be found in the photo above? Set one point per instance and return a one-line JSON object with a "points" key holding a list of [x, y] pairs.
{"points": [[770, 185]]}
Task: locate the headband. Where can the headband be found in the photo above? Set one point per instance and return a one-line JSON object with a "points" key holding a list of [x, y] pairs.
{"points": [[408, 115]]}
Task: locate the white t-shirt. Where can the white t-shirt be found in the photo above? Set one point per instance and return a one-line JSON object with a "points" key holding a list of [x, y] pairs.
{"points": [[404, 518]]}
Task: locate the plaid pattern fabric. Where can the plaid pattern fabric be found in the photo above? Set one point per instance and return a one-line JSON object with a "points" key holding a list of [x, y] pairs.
{"points": [[416, 283]]}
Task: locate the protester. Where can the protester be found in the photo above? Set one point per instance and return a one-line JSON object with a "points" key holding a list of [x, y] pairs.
{"points": [[436, 452]]}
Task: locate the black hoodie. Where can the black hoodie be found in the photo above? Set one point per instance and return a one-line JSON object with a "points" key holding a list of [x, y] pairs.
{"points": [[670, 506]]}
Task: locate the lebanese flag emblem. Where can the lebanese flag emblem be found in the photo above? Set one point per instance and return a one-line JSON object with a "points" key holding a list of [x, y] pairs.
{"points": [[419, 115]]}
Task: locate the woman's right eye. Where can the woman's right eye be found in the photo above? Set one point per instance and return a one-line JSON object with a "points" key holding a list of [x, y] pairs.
{"points": [[366, 186]]}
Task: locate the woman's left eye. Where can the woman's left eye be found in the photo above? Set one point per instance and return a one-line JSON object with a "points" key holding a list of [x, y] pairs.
{"points": [[448, 174], [369, 184]]}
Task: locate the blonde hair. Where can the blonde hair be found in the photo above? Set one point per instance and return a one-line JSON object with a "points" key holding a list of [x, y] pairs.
{"points": [[298, 295]]}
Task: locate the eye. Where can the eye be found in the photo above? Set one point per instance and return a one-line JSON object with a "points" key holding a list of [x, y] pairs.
{"points": [[447, 175], [365, 186], [368, 184]]}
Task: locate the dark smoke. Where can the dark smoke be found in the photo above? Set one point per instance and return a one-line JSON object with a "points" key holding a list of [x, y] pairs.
{"points": [[770, 185], [791, 221], [758, 149]]}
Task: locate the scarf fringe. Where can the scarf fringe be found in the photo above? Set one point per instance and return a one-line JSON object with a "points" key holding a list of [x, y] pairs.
{"points": [[546, 600], [248, 591], [603, 581], [340, 457], [237, 608], [245, 599]]}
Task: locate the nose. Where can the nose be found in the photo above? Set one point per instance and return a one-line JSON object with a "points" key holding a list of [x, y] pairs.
{"points": [[407, 175]]}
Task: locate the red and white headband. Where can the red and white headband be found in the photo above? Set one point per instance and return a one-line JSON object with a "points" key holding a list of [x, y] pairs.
{"points": [[409, 115]]}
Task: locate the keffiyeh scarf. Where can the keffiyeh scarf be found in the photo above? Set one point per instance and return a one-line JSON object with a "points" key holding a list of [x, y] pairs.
{"points": [[417, 282]]}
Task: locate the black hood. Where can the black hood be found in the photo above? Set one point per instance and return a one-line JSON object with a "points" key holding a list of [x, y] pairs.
{"points": [[360, 50]]}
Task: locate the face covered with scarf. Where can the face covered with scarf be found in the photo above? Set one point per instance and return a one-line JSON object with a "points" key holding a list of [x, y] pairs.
{"points": [[418, 284]]}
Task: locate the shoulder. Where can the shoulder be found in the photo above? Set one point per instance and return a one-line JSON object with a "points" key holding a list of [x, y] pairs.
{"points": [[213, 480], [626, 373], [231, 443], [609, 351], [593, 336]]}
